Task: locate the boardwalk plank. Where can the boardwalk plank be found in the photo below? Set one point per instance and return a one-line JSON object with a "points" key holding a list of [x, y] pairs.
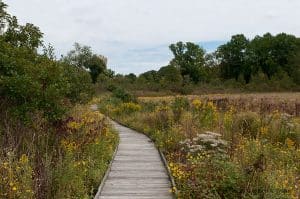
{"points": [[137, 170]]}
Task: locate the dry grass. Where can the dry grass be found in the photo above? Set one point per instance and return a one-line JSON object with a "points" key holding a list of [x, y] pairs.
{"points": [[257, 102]]}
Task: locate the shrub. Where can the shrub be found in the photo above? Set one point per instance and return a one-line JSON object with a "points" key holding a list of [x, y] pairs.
{"points": [[16, 177], [205, 113], [111, 87], [247, 124], [127, 108], [178, 106], [123, 95]]}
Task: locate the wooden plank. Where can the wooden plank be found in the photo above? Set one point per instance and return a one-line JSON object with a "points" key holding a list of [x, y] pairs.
{"points": [[137, 170], [135, 197], [137, 181]]}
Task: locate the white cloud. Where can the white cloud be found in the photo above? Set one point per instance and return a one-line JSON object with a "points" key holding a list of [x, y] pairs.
{"points": [[115, 27]]}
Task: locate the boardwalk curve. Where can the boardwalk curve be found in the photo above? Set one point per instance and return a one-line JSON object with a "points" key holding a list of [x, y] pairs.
{"points": [[137, 171]]}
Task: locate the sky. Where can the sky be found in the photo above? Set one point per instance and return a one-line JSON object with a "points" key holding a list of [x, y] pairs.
{"points": [[135, 34]]}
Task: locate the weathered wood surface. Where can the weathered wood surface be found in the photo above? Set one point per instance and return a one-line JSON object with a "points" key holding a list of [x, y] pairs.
{"points": [[137, 170]]}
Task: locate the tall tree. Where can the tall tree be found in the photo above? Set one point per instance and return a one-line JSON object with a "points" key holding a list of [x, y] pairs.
{"points": [[3, 16], [79, 56], [96, 66], [170, 76], [232, 56], [189, 58], [28, 36], [272, 53], [83, 57]]}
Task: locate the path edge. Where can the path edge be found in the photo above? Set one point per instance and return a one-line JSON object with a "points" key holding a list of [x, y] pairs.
{"points": [[162, 157], [100, 188]]}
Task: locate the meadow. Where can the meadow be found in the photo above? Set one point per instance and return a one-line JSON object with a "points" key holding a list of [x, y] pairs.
{"points": [[65, 161], [219, 151], [285, 102]]}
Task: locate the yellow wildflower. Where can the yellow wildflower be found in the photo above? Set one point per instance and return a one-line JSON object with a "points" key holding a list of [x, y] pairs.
{"points": [[24, 159], [290, 143], [263, 130], [74, 125], [197, 103]]}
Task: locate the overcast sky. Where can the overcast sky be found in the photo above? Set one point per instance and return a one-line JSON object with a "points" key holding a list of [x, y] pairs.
{"points": [[135, 34]]}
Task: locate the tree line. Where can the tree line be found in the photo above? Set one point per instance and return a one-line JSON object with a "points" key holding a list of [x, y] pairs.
{"points": [[267, 58]]}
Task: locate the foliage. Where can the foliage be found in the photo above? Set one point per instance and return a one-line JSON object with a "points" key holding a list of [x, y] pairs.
{"points": [[170, 77], [178, 106], [50, 146], [123, 95], [65, 161], [189, 58], [269, 54], [16, 177], [233, 58], [247, 124], [83, 57], [88, 149], [3, 15], [264, 63], [214, 153], [30, 82], [127, 108]]}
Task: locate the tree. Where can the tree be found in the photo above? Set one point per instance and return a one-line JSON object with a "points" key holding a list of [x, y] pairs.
{"points": [[109, 73], [150, 76], [131, 77], [170, 77], [79, 56], [294, 63], [189, 58], [273, 53], [3, 16], [83, 57], [28, 36], [96, 66], [285, 50], [232, 57]]}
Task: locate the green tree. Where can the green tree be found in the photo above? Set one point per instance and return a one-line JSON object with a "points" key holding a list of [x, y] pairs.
{"points": [[83, 57], [96, 66], [79, 56], [232, 57], [28, 36], [109, 73], [3, 16], [30, 82], [131, 77], [294, 63], [189, 58], [150, 76], [170, 77], [272, 53], [285, 50]]}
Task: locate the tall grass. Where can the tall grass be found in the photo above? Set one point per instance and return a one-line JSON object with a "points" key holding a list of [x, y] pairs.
{"points": [[215, 153], [66, 159]]}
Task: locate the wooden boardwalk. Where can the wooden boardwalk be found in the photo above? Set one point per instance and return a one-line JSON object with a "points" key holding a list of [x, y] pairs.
{"points": [[137, 170]]}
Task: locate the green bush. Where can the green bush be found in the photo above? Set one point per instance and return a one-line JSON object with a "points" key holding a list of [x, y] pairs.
{"points": [[123, 95], [178, 106]]}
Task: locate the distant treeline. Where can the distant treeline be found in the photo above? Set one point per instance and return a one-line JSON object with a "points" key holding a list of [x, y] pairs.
{"points": [[265, 63]]}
